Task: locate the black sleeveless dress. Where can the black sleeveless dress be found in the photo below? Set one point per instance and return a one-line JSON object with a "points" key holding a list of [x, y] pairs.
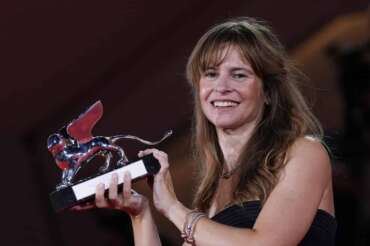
{"points": [[321, 232]]}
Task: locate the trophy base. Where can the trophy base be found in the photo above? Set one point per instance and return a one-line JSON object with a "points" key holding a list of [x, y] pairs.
{"points": [[84, 190]]}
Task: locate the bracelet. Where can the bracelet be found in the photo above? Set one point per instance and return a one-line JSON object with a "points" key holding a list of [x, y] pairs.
{"points": [[191, 234], [191, 220]]}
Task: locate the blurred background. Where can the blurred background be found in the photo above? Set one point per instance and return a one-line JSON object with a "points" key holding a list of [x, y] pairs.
{"points": [[59, 57]]}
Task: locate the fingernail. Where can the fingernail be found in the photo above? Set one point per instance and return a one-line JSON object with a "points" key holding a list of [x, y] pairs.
{"points": [[127, 175]]}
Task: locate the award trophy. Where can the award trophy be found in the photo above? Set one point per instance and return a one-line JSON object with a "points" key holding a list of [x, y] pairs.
{"points": [[73, 145]]}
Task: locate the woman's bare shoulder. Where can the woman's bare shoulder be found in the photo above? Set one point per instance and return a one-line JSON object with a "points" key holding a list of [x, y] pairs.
{"points": [[309, 154], [308, 145], [300, 189]]}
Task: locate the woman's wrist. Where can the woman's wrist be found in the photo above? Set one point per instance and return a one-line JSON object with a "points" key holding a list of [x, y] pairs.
{"points": [[177, 214], [143, 214]]}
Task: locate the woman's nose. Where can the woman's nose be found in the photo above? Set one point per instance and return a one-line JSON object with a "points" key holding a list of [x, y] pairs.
{"points": [[222, 85]]}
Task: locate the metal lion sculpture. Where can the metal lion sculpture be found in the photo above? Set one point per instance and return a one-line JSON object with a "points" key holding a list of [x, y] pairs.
{"points": [[74, 144]]}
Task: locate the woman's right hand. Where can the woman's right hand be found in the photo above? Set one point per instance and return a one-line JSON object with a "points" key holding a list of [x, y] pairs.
{"points": [[128, 200]]}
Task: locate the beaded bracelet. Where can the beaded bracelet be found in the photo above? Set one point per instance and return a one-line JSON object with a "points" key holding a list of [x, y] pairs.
{"points": [[189, 226], [185, 229]]}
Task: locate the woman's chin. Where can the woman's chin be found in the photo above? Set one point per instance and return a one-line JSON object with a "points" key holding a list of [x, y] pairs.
{"points": [[232, 125], [225, 125]]}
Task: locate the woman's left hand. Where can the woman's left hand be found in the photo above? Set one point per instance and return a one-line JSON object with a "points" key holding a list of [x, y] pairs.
{"points": [[164, 197]]}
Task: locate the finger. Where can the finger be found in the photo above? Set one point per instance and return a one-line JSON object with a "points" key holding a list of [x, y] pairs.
{"points": [[140, 154], [113, 188], [100, 200], [162, 158], [156, 153], [127, 186], [148, 151], [160, 154]]}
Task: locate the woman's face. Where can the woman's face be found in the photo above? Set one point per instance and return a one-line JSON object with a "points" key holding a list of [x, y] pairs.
{"points": [[231, 94]]}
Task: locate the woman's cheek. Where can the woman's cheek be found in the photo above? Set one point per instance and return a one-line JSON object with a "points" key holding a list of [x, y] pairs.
{"points": [[204, 94]]}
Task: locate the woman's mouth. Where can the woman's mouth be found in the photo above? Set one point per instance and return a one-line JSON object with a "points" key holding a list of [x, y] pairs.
{"points": [[224, 103]]}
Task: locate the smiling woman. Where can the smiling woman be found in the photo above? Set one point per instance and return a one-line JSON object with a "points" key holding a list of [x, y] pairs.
{"points": [[231, 94], [264, 174]]}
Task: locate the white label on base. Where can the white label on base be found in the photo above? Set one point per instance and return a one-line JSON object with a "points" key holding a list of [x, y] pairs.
{"points": [[88, 188]]}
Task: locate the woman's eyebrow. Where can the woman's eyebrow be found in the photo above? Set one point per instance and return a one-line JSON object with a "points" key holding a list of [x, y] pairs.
{"points": [[209, 68], [245, 69]]}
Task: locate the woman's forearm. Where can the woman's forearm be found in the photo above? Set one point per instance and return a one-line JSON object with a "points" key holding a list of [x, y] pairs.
{"points": [[145, 229], [209, 232]]}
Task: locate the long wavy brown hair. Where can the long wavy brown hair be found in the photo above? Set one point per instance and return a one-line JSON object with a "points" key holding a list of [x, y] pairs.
{"points": [[285, 118]]}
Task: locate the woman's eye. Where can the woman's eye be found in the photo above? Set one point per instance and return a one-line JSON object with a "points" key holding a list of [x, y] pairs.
{"points": [[239, 76], [210, 74]]}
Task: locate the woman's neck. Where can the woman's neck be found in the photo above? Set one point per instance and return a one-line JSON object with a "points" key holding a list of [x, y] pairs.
{"points": [[232, 143]]}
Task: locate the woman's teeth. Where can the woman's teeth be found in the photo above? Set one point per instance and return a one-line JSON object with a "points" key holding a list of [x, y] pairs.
{"points": [[224, 104]]}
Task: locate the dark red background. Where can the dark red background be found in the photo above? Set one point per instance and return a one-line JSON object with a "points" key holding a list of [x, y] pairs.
{"points": [[58, 57]]}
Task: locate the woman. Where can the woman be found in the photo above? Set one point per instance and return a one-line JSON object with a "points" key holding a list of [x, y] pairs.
{"points": [[265, 176]]}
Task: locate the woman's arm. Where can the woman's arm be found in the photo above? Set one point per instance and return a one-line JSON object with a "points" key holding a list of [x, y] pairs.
{"points": [[288, 212], [136, 205], [145, 229]]}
